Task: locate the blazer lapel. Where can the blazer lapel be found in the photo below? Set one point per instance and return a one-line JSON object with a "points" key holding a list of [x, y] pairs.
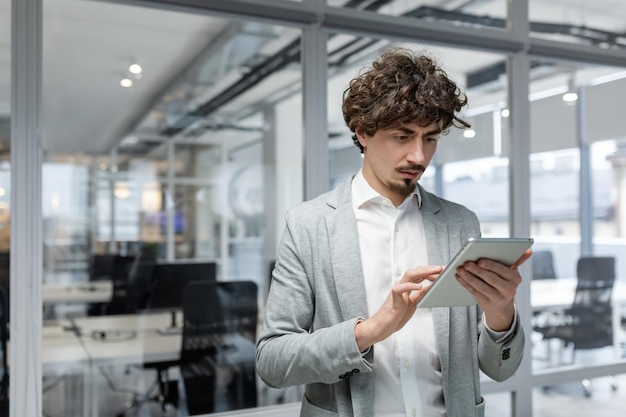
{"points": [[438, 244], [345, 254]]}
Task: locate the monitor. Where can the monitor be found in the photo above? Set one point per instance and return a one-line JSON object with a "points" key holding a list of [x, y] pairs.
{"points": [[169, 281]]}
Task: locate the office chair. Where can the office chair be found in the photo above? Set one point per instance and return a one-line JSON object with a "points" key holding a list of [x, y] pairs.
{"points": [[543, 265], [218, 346], [587, 324]]}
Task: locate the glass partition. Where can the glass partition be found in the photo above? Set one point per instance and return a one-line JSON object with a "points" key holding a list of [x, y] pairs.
{"points": [[578, 22], [169, 140], [576, 292], [158, 192]]}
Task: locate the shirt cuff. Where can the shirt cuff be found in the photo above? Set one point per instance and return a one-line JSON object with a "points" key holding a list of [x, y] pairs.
{"points": [[503, 336]]}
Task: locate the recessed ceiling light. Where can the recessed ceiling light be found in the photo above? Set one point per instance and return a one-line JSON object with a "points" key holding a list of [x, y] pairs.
{"points": [[469, 133], [135, 69], [126, 82], [504, 113], [570, 97]]}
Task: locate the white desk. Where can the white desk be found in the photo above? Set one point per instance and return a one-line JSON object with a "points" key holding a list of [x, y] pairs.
{"points": [[63, 356], [129, 338], [134, 339], [77, 292]]}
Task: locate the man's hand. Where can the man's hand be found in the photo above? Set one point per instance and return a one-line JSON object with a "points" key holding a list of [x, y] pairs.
{"points": [[494, 286], [398, 307]]}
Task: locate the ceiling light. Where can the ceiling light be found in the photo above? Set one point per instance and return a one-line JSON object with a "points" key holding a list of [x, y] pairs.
{"points": [[135, 69], [505, 113], [126, 82], [121, 190], [469, 133], [570, 97]]}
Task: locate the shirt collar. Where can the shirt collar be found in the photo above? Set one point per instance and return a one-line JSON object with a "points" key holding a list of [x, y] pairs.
{"points": [[362, 192]]}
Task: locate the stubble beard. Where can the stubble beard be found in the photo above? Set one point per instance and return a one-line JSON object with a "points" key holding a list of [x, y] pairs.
{"points": [[403, 188]]}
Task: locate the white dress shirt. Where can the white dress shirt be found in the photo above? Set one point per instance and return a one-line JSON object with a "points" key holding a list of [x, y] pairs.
{"points": [[407, 370]]}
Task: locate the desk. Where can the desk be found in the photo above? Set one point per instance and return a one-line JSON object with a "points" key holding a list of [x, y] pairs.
{"points": [[77, 292], [559, 293], [134, 339], [63, 356]]}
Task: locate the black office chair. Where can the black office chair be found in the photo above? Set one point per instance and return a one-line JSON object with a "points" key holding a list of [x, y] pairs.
{"points": [[587, 324], [217, 351], [543, 264]]}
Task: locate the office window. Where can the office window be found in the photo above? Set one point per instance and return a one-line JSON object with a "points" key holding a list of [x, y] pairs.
{"points": [[161, 144], [577, 22], [148, 112], [576, 293]]}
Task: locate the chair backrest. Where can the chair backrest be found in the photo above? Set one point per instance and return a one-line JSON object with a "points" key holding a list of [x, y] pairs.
{"points": [[220, 307], [595, 278], [213, 311], [543, 264], [592, 310]]}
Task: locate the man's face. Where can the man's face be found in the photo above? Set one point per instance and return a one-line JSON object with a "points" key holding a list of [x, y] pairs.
{"points": [[395, 159]]}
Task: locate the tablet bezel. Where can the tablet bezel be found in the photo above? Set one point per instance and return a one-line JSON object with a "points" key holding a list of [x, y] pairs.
{"points": [[446, 291]]}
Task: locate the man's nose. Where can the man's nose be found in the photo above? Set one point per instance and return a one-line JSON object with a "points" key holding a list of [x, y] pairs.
{"points": [[416, 153]]}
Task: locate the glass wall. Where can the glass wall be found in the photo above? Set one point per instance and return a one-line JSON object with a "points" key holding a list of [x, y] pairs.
{"points": [[578, 268], [174, 139], [165, 178], [577, 22]]}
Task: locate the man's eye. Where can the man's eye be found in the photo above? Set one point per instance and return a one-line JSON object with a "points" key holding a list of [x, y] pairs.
{"points": [[402, 138], [432, 139]]}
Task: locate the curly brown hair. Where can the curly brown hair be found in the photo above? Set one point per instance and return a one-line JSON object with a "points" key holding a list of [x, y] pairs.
{"points": [[401, 88]]}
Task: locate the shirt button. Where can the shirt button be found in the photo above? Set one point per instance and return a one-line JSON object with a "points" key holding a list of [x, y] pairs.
{"points": [[398, 272], [414, 412], [397, 229], [407, 364]]}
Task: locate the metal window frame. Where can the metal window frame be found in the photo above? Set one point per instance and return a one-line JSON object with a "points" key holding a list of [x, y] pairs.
{"points": [[317, 19]]}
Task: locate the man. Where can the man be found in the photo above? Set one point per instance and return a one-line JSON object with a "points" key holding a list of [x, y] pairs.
{"points": [[341, 314]]}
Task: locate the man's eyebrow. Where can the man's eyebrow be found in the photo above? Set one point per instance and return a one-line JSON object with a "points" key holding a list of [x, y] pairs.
{"points": [[411, 131]]}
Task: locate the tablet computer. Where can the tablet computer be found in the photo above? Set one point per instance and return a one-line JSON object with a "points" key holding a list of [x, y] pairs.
{"points": [[446, 291]]}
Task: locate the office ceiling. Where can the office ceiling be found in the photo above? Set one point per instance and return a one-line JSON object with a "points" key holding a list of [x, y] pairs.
{"points": [[88, 46]]}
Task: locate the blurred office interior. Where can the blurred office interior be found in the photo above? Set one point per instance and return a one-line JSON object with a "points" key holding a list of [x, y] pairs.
{"points": [[148, 144]]}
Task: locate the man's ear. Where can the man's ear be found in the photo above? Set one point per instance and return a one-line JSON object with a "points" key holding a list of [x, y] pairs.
{"points": [[362, 137]]}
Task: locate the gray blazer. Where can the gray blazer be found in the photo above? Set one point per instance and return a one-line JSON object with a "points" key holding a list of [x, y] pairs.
{"points": [[317, 294]]}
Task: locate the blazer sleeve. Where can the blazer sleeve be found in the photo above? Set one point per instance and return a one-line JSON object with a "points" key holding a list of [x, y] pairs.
{"points": [[500, 359], [289, 352]]}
